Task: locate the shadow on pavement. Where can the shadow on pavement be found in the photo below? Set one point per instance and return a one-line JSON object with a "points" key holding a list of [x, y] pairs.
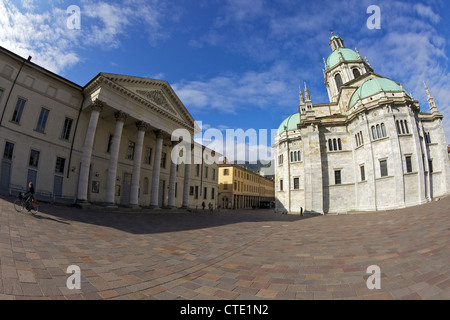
{"points": [[157, 221]]}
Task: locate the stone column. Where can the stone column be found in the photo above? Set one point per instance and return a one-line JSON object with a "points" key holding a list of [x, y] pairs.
{"points": [[83, 180], [114, 157], [172, 179], [156, 170], [134, 194], [187, 177]]}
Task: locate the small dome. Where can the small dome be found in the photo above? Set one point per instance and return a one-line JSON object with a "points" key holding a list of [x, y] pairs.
{"points": [[347, 55], [290, 123], [372, 87]]}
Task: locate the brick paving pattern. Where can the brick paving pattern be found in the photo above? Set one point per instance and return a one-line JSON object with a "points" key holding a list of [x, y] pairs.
{"points": [[229, 255]]}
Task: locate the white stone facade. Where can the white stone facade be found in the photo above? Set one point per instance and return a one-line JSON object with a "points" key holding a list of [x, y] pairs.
{"points": [[380, 152]]}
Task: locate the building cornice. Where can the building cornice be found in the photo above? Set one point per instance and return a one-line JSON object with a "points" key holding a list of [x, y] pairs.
{"points": [[101, 79]]}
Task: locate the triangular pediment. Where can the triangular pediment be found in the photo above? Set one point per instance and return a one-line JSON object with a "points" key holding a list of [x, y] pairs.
{"points": [[158, 98], [155, 93]]}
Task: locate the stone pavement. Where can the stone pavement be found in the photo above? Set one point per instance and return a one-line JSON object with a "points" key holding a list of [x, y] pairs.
{"points": [[253, 254]]}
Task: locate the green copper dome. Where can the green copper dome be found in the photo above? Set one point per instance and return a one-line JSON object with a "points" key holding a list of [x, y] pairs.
{"points": [[372, 87], [347, 55], [290, 123]]}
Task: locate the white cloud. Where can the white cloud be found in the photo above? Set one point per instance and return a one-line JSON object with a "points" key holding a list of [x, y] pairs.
{"points": [[227, 93], [40, 35], [427, 12], [46, 37]]}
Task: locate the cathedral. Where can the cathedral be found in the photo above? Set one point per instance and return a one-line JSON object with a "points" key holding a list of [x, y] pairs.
{"points": [[370, 148]]}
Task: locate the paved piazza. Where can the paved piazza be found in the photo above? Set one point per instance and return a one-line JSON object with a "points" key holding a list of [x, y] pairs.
{"points": [[227, 255]]}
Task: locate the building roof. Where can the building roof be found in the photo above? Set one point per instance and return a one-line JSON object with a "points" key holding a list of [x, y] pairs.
{"points": [[374, 86], [290, 123], [345, 53]]}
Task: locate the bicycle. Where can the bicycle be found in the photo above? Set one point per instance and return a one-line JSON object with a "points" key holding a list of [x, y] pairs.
{"points": [[21, 203]]}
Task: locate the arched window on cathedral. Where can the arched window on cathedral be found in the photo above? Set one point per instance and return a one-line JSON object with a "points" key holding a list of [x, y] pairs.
{"points": [[402, 127], [333, 145], [383, 130], [295, 156], [356, 73], [374, 133], [338, 80], [378, 131]]}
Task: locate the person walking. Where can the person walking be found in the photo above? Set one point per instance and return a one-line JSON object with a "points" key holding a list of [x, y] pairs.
{"points": [[203, 205]]}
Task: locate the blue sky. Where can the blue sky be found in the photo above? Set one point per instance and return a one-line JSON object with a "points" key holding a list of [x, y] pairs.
{"points": [[235, 63]]}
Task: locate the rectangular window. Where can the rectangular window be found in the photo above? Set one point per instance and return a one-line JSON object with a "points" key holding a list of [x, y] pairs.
{"points": [[281, 185], [163, 160], [60, 164], [17, 114], [383, 168], [191, 191], [296, 183], [205, 193], [408, 164], [176, 189], [34, 158], [363, 173], [206, 172], [130, 150], [214, 174], [225, 186], [196, 192], [430, 165], [226, 172], [42, 121], [213, 193], [66, 129], [148, 156], [197, 170], [337, 177], [9, 149]]}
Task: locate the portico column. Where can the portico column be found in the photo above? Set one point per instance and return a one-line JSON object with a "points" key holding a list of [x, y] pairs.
{"points": [[172, 179], [187, 177], [115, 146], [156, 170], [134, 194], [83, 180]]}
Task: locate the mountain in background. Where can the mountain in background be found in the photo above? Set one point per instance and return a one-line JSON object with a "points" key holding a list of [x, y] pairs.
{"points": [[266, 170]]}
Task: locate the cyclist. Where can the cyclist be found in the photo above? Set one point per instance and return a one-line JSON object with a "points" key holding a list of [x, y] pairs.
{"points": [[30, 196]]}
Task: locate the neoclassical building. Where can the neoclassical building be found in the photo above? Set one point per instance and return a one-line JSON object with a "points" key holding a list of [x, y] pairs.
{"points": [[108, 142], [369, 148]]}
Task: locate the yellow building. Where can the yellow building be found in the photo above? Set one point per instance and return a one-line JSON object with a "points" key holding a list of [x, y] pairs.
{"points": [[240, 188]]}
